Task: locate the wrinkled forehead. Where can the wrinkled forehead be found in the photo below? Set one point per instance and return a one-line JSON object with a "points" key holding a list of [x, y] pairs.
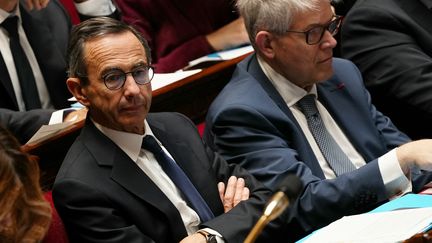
{"points": [[118, 50]]}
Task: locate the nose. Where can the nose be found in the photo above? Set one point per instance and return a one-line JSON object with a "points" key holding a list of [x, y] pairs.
{"points": [[131, 88], [328, 40]]}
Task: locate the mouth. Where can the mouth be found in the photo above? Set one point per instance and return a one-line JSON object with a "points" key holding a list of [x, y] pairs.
{"points": [[131, 109], [326, 59]]}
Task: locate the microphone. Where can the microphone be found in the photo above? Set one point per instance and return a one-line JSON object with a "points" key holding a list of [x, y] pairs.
{"points": [[289, 190]]}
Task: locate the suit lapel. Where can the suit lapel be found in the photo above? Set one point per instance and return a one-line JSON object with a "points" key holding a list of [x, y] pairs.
{"points": [[303, 147], [203, 180], [127, 174], [351, 117], [49, 56], [7, 91]]}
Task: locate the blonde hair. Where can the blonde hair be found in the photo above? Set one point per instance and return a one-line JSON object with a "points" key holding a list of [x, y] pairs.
{"points": [[25, 215]]}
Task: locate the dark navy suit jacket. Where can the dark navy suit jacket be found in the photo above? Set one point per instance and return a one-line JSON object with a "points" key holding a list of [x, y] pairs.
{"points": [[47, 31], [390, 42], [103, 196], [250, 124]]}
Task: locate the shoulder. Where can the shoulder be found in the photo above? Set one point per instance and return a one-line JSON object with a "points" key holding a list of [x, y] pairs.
{"points": [[345, 69], [167, 118]]}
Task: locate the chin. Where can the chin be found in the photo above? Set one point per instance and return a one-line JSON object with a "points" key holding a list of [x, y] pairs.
{"points": [[325, 75]]}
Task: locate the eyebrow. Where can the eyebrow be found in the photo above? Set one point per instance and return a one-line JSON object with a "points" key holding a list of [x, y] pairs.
{"points": [[116, 68], [316, 24]]}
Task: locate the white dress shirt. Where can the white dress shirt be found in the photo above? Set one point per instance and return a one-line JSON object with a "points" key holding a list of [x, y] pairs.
{"points": [[10, 65], [90, 8], [130, 143], [394, 179]]}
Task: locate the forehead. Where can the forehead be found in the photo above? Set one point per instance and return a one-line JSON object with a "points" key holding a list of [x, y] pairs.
{"points": [[114, 50], [304, 20]]}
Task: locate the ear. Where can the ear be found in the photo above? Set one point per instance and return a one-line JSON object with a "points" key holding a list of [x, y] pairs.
{"points": [[77, 90], [263, 41]]}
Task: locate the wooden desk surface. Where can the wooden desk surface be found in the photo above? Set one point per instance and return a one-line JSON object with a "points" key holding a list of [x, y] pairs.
{"points": [[190, 96]]}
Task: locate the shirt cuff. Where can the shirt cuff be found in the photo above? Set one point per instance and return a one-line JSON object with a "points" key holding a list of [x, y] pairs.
{"points": [[95, 7], [219, 237], [395, 181]]}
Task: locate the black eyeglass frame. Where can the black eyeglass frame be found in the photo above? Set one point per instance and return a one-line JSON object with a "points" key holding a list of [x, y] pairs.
{"points": [[150, 73], [333, 27]]}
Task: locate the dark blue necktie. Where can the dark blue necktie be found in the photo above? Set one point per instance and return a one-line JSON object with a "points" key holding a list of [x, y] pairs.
{"points": [[180, 179], [25, 74], [334, 155]]}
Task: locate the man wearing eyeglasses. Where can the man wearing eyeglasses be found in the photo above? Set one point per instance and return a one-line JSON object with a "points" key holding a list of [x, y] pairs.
{"points": [[292, 108], [132, 176]]}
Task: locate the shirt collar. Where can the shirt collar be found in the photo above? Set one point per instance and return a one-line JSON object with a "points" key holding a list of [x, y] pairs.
{"points": [[290, 92], [130, 143], [4, 15]]}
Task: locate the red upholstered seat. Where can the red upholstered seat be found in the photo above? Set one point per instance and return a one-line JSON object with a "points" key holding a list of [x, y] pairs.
{"points": [[56, 233], [70, 8]]}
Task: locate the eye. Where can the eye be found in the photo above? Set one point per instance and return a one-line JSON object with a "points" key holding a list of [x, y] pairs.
{"points": [[140, 72], [114, 77], [140, 75], [316, 31]]}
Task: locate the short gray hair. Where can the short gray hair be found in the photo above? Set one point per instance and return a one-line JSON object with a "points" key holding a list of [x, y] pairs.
{"points": [[272, 15]]}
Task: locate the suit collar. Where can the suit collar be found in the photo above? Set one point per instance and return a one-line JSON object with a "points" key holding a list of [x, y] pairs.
{"points": [[186, 157], [253, 68], [49, 55], [4, 74], [127, 174]]}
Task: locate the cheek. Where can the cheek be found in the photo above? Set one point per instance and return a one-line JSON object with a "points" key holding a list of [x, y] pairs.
{"points": [[147, 94], [104, 101]]}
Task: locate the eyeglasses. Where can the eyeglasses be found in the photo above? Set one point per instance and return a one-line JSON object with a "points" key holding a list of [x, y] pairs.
{"points": [[116, 79], [316, 33]]}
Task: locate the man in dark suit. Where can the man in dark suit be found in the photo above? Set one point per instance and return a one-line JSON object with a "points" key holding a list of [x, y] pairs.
{"points": [[43, 36], [24, 124], [390, 42], [346, 152], [109, 189], [43, 28]]}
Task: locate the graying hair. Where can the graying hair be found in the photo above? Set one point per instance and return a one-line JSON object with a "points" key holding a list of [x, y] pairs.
{"points": [[91, 29], [275, 16]]}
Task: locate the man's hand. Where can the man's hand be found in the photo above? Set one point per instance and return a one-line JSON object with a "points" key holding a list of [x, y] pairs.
{"points": [[37, 4], [418, 153], [234, 192], [194, 238], [230, 35]]}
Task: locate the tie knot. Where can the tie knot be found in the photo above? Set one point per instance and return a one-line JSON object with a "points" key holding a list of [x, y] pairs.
{"points": [[307, 105], [149, 143], [11, 25]]}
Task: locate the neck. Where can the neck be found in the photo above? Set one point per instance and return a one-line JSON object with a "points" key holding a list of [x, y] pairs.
{"points": [[9, 5]]}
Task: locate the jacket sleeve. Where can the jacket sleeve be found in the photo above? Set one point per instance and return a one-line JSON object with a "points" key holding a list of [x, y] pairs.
{"points": [[89, 216], [387, 47], [234, 225], [24, 124]]}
